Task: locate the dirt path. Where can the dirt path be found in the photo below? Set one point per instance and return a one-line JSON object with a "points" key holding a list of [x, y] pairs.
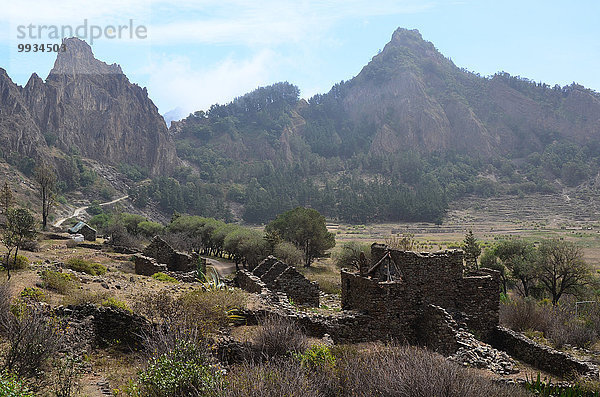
{"points": [[79, 210], [223, 268]]}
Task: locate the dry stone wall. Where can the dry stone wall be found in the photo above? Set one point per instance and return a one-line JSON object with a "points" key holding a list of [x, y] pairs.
{"points": [[279, 277]]}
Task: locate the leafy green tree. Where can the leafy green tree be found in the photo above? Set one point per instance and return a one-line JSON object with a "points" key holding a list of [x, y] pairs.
{"points": [[20, 227], [490, 260], [472, 250], [306, 229], [561, 268], [519, 257]]}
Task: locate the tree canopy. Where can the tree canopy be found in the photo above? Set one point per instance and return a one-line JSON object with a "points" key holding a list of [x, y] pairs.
{"points": [[306, 229]]}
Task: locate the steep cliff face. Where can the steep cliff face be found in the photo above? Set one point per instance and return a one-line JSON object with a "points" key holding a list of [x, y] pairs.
{"points": [[18, 131], [91, 107]]}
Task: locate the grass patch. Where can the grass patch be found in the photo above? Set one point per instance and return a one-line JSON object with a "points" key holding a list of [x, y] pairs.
{"points": [[160, 276], [81, 265]]}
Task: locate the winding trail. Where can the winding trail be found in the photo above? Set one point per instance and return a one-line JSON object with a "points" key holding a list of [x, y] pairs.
{"points": [[223, 268], [79, 210]]}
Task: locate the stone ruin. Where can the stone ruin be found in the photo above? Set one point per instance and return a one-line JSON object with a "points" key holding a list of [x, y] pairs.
{"points": [[425, 299], [159, 256], [400, 289], [272, 274]]}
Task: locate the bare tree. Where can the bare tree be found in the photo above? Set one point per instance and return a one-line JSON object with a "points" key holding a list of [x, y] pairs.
{"points": [[561, 268], [46, 180]]}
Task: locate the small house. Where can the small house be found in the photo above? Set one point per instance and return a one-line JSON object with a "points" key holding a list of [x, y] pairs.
{"points": [[83, 228]]}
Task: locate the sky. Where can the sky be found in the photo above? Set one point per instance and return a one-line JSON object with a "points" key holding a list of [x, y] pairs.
{"points": [[199, 52]]}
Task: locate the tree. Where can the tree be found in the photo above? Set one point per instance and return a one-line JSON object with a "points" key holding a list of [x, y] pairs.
{"points": [[490, 260], [519, 257], [561, 268], [20, 226], [46, 180], [7, 199], [472, 250], [306, 229]]}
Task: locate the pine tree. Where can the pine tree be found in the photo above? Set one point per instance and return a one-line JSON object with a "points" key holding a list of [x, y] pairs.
{"points": [[472, 250]]}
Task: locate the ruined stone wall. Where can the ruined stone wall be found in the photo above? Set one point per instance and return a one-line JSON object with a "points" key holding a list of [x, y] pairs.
{"points": [[540, 356], [420, 280], [478, 298], [297, 287], [280, 277], [437, 275], [437, 330], [391, 308], [249, 282]]}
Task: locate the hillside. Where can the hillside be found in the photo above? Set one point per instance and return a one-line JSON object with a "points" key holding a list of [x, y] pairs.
{"points": [[410, 133]]}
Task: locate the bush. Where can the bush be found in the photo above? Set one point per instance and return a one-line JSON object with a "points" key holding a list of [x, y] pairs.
{"points": [[32, 338], [525, 314], [10, 386], [30, 245], [160, 276], [559, 324], [279, 336], [349, 255], [34, 295], [270, 379], [116, 304], [59, 282], [370, 370], [410, 371], [288, 253], [180, 372], [81, 265], [21, 263], [317, 357], [71, 243]]}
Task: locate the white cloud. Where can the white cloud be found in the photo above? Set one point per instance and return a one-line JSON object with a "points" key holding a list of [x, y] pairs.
{"points": [[176, 82], [209, 21]]}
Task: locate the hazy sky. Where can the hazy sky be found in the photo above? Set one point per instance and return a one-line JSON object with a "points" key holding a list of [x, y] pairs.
{"points": [[201, 52]]}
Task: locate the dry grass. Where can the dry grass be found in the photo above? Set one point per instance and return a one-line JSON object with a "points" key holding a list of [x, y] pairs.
{"points": [[326, 274], [371, 370]]}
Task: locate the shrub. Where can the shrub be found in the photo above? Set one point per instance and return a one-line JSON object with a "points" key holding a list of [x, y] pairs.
{"points": [[160, 276], [525, 314], [270, 379], [30, 245], [279, 336], [32, 338], [59, 282], [10, 386], [21, 263], [288, 253], [209, 309], [116, 304], [317, 357], [410, 371], [84, 266], [71, 243], [180, 372], [349, 255], [34, 294]]}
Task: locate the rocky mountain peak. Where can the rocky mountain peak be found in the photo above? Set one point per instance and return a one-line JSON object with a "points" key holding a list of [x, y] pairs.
{"points": [[79, 59]]}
